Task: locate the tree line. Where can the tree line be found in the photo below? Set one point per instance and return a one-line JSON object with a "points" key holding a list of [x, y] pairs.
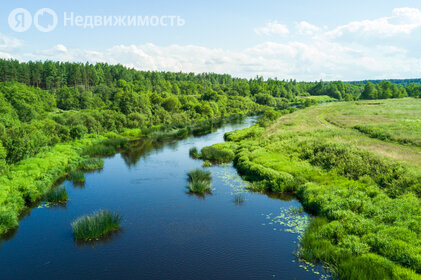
{"points": [[44, 103]]}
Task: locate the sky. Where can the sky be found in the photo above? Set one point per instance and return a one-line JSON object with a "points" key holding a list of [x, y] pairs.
{"points": [[305, 40]]}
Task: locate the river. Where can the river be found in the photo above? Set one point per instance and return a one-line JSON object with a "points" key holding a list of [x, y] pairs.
{"points": [[167, 233]]}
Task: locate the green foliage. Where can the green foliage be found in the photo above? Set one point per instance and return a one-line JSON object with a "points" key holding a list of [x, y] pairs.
{"points": [[193, 153], [91, 164], [77, 176], [383, 90], [57, 195], [199, 181], [96, 225], [367, 206], [218, 153]]}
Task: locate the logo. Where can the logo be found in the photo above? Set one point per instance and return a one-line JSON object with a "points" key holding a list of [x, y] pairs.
{"points": [[20, 20]]}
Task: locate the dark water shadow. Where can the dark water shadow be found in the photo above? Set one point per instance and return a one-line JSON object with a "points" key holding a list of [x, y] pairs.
{"points": [[103, 240]]}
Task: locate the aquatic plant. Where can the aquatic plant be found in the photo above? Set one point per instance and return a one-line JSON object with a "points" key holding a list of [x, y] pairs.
{"points": [[77, 176], [91, 164], [217, 154], [199, 181], [206, 163], [96, 225], [57, 195], [239, 199], [193, 153]]}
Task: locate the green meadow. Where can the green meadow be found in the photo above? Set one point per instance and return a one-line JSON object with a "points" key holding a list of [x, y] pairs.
{"points": [[356, 166]]}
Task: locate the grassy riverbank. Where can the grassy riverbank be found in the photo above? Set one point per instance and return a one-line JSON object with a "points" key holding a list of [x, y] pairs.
{"points": [[363, 188], [27, 182]]}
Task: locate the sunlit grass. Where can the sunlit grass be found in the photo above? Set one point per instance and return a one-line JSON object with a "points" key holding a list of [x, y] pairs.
{"points": [[91, 164], [199, 181], [96, 225], [77, 176]]}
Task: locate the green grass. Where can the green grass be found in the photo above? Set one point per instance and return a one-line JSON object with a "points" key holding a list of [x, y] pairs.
{"points": [[57, 195], [199, 181], [96, 225], [91, 164], [101, 150], [28, 181], [364, 186], [77, 176], [193, 153], [239, 199], [218, 153]]}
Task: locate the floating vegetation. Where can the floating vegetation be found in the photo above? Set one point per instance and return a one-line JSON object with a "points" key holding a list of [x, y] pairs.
{"points": [[294, 220], [233, 180], [96, 225], [57, 195], [288, 221], [296, 210], [199, 181]]}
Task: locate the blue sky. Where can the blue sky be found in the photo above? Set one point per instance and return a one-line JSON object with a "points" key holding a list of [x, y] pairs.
{"points": [[305, 40]]}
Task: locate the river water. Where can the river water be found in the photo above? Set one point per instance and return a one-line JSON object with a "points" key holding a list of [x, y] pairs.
{"points": [[167, 233]]}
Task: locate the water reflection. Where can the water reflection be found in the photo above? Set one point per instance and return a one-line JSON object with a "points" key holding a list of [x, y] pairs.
{"points": [[105, 239]]}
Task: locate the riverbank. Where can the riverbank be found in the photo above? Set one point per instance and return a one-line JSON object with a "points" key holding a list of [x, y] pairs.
{"points": [[363, 189], [166, 231], [26, 182]]}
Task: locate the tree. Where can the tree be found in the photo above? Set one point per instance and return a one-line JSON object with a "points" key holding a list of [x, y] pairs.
{"points": [[171, 104], [369, 92]]}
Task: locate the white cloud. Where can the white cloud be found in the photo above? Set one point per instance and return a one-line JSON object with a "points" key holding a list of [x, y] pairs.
{"points": [[272, 28], [9, 43], [402, 21], [306, 28], [314, 54], [304, 61]]}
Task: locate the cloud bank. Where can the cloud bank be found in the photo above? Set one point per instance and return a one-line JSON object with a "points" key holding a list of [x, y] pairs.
{"points": [[304, 52]]}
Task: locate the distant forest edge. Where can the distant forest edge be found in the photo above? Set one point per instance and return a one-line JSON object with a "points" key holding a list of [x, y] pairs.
{"points": [[51, 75], [402, 82]]}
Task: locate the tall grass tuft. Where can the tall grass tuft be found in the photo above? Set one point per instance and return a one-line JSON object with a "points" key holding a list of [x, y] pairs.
{"points": [[96, 225], [193, 153], [239, 199], [57, 195], [199, 181], [77, 176]]}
